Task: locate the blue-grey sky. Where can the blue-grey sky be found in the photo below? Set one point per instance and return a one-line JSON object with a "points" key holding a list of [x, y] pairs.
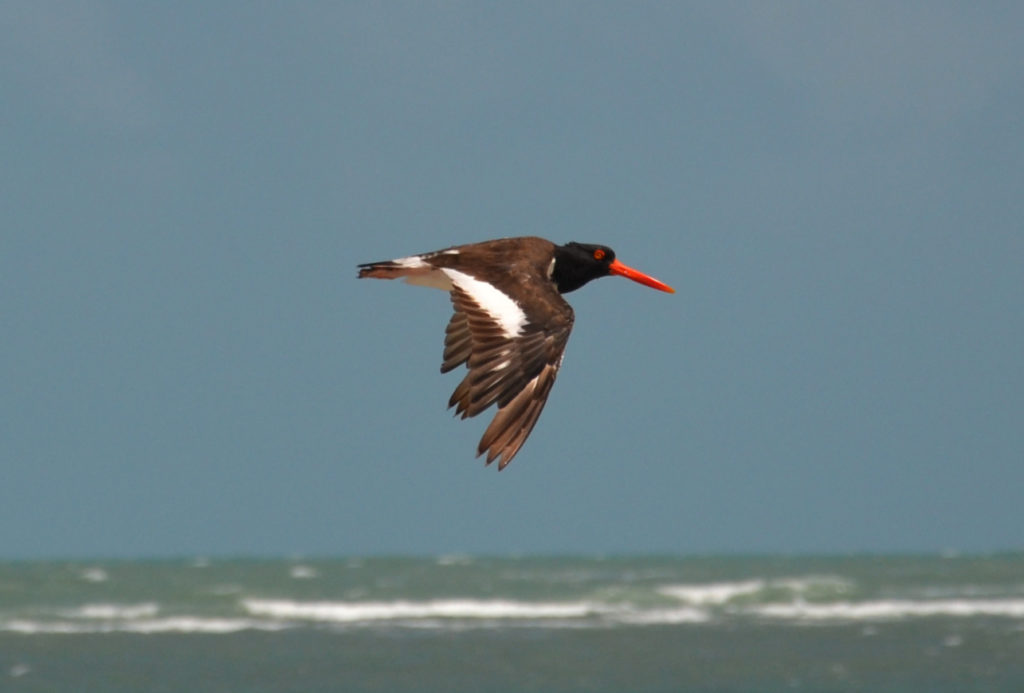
{"points": [[189, 366]]}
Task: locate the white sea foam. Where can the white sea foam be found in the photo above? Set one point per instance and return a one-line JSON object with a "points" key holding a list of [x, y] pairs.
{"points": [[712, 593], [812, 583], [889, 609], [274, 615], [448, 613], [303, 572], [94, 575], [177, 624], [188, 624], [717, 593], [115, 611], [651, 617], [351, 612]]}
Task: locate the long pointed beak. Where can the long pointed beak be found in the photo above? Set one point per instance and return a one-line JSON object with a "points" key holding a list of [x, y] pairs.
{"points": [[623, 271]]}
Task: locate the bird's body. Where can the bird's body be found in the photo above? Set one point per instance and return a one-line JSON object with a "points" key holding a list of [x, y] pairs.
{"points": [[510, 324]]}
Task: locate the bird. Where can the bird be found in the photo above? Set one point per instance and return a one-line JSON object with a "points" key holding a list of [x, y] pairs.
{"points": [[510, 323]]}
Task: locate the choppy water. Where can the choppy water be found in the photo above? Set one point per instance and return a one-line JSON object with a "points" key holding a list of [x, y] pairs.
{"points": [[898, 623]]}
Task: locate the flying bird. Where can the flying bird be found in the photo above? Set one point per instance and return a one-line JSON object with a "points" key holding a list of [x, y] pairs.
{"points": [[510, 324]]}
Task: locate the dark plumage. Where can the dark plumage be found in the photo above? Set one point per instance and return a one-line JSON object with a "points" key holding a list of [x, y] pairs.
{"points": [[510, 324]]}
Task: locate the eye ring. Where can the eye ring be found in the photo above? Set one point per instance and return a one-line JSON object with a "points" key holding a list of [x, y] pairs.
{"points": [[599, 254]]}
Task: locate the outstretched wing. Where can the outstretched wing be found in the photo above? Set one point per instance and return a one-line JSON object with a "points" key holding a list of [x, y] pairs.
{"points": [[512, 360], [512, 347]]}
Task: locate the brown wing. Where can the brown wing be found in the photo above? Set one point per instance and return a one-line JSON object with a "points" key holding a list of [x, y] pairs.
{"points": [[458, 342], [516, 373]]}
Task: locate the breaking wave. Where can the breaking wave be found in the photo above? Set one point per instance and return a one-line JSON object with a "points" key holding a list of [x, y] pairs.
{"points": [[785, 601]]}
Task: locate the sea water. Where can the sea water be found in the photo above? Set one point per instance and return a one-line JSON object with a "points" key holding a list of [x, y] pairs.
{"points": [[459, 623]]}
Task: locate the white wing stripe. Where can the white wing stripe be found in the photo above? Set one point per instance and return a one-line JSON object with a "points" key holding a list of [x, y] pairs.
{"points": [[498, 305], [412, 262]]}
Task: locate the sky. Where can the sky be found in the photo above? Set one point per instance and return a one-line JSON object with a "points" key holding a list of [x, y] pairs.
{"points": [[189, 366]]}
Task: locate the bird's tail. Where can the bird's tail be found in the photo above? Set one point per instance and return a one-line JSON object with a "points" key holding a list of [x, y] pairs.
{"points": [[388, 269], [413, 269]]}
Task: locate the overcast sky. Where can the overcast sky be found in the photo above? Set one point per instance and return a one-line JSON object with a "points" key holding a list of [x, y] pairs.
{"points": [[189, 366]]}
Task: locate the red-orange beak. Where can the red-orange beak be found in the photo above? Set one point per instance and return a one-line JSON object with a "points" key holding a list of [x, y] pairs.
{"points": [[623, 271]]}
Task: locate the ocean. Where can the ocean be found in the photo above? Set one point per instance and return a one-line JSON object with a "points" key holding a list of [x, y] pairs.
{"points": [[912, 624]]}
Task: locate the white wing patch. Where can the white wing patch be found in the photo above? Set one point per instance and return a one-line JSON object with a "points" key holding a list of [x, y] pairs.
{"points": [[412, 262], [498, 305], [417, 261]]}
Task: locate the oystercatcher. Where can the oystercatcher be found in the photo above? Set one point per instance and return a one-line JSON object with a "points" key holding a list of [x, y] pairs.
{"points": [[511, 323]]}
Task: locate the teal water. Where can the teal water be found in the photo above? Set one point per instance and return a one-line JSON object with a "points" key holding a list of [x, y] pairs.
{"points": [[456, 623]]}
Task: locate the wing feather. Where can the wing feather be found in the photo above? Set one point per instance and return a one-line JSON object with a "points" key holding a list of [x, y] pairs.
{"points": [[457, 342], [515, 373], [514, 422]]}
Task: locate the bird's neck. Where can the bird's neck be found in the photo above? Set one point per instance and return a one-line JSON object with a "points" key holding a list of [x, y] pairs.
{"points": [[568, 274]]}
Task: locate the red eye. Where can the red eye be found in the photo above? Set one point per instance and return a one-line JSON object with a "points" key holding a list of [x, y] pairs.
{"points": [[599, 254]]}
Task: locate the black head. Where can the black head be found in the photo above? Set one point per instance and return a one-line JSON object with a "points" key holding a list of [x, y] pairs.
{"points": [[578, 263]]}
